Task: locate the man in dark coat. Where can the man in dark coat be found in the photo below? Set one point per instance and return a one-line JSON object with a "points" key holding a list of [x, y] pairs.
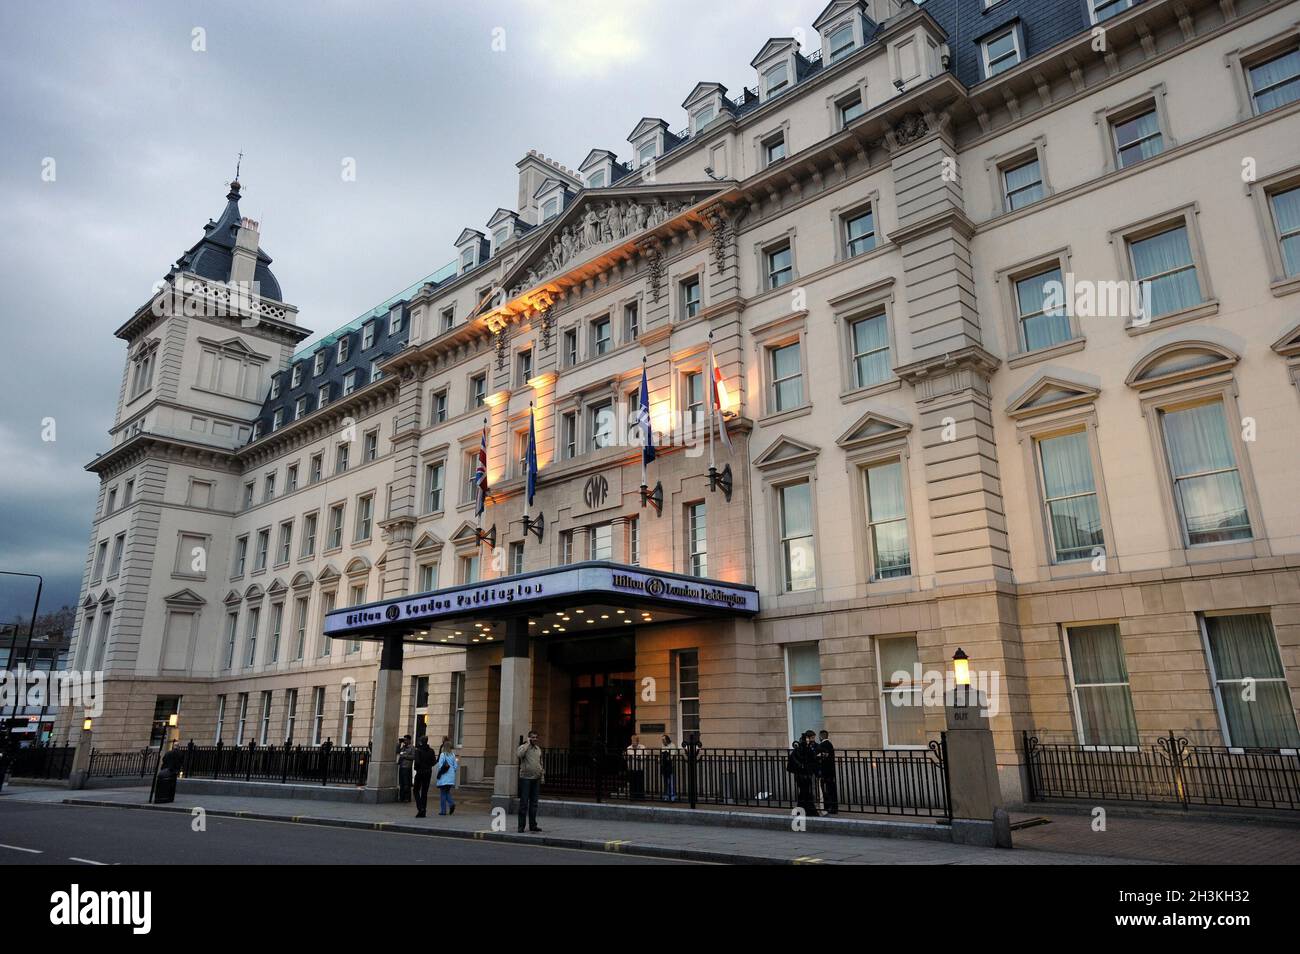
{"points": [[802, 764], [826, 774], [423, 760]]}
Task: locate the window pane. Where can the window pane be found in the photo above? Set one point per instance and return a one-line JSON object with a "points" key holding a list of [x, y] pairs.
{"points": [[1076, 527], [1067, 465], [796, 510], [1039, 300], [893, 557], [1198, 440], [1097, 655], [1024, 185], [1276, 82], [806, 713], [1164, 264], [1106, 715], [885, 492], [1286, 209], [1214, 508], [1138, 138], [805, 665], [1258, 712], [905, 724]]}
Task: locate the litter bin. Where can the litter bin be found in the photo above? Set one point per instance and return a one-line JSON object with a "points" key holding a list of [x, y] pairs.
{"points": [[164, 792], [635, 781]]}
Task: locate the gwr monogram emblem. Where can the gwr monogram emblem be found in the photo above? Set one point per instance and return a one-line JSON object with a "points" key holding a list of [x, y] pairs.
{"points": [[595, 491]]}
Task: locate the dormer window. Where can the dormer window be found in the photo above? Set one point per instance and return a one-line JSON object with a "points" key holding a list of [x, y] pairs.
{"points": [[703, 117], [596, 180], [1001, 51], [647, 152], [395, 322], [296, 378], [368, 336], [466, 260], [318, 363], [499, 239], [275, 386], [342, 353], [776, 79], [550, 208], [842, 42]]}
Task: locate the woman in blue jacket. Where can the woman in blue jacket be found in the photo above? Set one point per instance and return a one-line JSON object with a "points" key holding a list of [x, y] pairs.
{"points": [[444, 776]]}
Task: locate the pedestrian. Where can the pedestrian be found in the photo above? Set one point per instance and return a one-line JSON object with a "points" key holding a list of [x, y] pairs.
{"points": [[423, 760], [444, 775], [799, 763], [635, 748], [668, 753], [405, 759], [532, 773], [809, 739], [826, 772]]}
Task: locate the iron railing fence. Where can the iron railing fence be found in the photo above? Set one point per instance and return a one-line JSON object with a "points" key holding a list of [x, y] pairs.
{"points": [[41, 761], [875, 781], [324, 764], [140, 762], [1170, 770]]}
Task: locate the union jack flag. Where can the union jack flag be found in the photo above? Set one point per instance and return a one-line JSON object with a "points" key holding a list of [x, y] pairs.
{"points": [[480, 473]]}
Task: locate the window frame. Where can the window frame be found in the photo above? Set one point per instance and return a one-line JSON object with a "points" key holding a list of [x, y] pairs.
{"points": [[1188, 217], [1262, 192], [1075, 709], [1018, 353], [1202, 621], [1013, 29], [884, 690], [802, 690], [1107, 118]]}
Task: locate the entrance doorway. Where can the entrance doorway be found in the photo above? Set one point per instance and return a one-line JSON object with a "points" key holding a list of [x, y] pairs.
{"points": [[602, 709]]}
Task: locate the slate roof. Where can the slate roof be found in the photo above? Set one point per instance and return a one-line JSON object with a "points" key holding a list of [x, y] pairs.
{"points": [[211, 256]]}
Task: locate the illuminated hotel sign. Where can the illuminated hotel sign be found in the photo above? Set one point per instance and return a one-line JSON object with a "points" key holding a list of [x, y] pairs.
{"points": [[590, 582]]}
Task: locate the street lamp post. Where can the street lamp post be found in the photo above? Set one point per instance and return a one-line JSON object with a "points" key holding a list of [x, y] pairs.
{"points": [[13, 644]]}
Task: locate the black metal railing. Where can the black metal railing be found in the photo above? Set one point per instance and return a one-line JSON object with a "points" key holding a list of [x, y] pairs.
{"points": [[874, 781], [139, 763], [1169, 770], [41, 761], [326, 764]]}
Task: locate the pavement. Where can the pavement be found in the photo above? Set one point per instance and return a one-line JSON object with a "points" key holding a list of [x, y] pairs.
{"points": [[1063, 837]]}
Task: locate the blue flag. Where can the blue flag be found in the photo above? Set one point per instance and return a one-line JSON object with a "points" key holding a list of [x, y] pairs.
{"points": [[643, 421], [531, 463]]}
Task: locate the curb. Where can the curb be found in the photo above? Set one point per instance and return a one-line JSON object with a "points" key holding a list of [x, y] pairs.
{"points": [[550, 841]]}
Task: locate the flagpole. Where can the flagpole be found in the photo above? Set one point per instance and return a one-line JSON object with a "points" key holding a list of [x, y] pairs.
{"points": [[644, 485], [527, 463], [712, 396]]}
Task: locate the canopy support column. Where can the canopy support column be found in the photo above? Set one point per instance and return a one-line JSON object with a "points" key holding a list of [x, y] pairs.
{"points": [[381, 778], [516, 705]]}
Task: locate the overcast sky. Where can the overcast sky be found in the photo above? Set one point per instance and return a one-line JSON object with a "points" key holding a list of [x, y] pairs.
{"points": [[144, 130]]}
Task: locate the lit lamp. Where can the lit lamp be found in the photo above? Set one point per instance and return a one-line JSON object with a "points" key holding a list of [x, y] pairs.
{"points": [[961, 676], [173, 720], [87, 725]]}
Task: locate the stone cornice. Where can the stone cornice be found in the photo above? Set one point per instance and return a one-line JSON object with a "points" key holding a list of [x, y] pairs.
{"points": [[971, 357], [146, 446]]}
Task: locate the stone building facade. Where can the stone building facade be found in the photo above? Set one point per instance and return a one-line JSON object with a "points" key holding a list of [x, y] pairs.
{"points": [[1092, 495]]}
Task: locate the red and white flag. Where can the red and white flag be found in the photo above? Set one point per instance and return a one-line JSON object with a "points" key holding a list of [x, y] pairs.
{"points": [[718, 392]]}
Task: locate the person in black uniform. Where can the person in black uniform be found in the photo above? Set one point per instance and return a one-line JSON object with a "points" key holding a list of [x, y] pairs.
{"points": [[826, 774], [802, 764]]}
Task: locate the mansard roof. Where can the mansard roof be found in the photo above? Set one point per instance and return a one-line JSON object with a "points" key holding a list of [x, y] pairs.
{"points": [[212, 256]]}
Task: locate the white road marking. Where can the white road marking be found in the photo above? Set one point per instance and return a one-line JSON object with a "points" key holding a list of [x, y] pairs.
{"points": [[30, 851], [87, 861]]}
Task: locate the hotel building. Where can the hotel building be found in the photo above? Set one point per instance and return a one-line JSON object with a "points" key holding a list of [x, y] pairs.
{"points": [[914, 246]]}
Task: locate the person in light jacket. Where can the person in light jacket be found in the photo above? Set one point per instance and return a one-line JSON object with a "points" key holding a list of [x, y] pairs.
{"points": [[405, 763], [444, 776]]}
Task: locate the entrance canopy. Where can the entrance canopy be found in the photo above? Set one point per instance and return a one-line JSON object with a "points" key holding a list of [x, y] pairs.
{"points": [[567, 600]]}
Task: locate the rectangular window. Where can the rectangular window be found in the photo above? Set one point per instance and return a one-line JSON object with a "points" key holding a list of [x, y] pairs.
{"points": [[524, 367], [1137, 138], [901, 702], [1164, 265], [850, 109], [349, 382], [368, 336], [299, 627], [468, 479], [438, 409], [290, 714], [601, 341], [458, 709], [343, 348], [1001, 52], [633, 541], [341, 458], [516, 562], [115, 564], [803, 677], [309, 534], [277, 419], [1250, 683], [101, 556], [1070, 497], [375, 373], [780, 265], [469, 568], [692, 398], [478, 390], [1286, 219], [601, 420], [241, 555], [1099, 680], [277, 620], [870, 339], [264, 729], [566, 546], [1275, 82], [600, 542], [254, 620], [318, 363], [1105, 9], [242, 725], [776, 79], [448, 319], [697, 544], [365, 514], [291, 478], [335, 539], [773, 150], [396, 322], [571, 347], [890, 549], [1207, 485], [317, 715], [691, 297], [232, 636], [370, 445], [295, 378], [261, 551], [433, 479], [1022, 184], [631, 321], [221, 718], [798, 561], [300, 408], [569, 435], [688, 693], [428, 577], [841, 42], [268, 489], [860, 232], [286, 543], [787, 377], [1040, 310], [326, 607], [316, 467]]}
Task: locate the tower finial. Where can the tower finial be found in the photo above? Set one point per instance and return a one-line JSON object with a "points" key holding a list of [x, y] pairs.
{"points": [[238, 162]]}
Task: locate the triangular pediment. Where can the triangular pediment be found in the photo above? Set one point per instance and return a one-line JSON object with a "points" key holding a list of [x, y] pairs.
{"points": [[1178, 361], [834, 11], [185, 597], [595, 158], [499, 216], [549, 185], [232, 598], [235, 344], [873, 428], [328, 572], [785, 451], [465, 533], [469, 235], [773, 48], [1289, 344], [88, 602], [1052, 390], [276, 586], [619, 216], [428, 541], [107, 596], [703, 91]]}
